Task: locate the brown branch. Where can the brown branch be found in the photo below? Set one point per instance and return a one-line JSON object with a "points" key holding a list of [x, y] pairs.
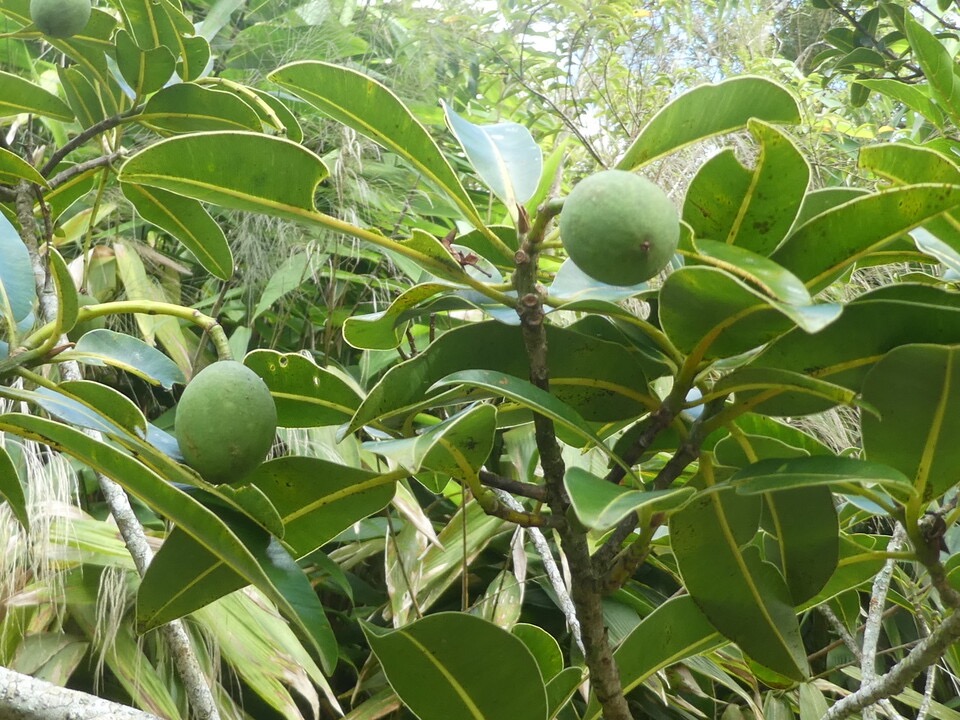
{"points": [[584, 590], [493, 505], [615, 568], [80, 168], [91, 132], [656, 422], [527, 490]]}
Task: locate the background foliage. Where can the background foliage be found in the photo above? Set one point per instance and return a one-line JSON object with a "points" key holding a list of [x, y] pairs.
{"points": [[743, 472]]}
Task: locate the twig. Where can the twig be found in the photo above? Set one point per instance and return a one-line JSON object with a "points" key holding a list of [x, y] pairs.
{"points": [[924, 628], [550, 567], [527, 490], [840, 629], [82, 137], [80, 168], [847, 639], [925, 653], [874, 622]]}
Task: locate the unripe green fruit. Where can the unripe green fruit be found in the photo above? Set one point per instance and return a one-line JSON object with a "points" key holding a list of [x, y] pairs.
{"points": [[226, 422], [619, 228], [60, 18], [82, 328]]}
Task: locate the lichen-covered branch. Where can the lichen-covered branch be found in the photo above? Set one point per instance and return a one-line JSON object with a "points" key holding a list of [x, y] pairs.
{"points": [[874, 622], [924, 654], [25, 698]]}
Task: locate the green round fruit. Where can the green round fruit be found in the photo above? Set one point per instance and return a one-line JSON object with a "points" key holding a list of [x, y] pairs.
{"points": [[619, 228], [60, 18], [82, 328], [225, 422]]}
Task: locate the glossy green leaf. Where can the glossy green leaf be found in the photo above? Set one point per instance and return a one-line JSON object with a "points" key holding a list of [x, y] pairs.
{"points": [[110, 403], [707, 310], [821, 249], [243, 171], [804, 530], [750, 209], [456, 447], [915, 97], [500, 254], [306, 395], [860, 559], [841, 473], [574, 289], [916, 389], [106, 347], [385, 330], [932, 246], [543, 646], [362, 103], [937, 65], [761, 425], [425, 664], [64, 408], [17, 286], [710, 110], [315, 499], [711, 539], [162, 586], [138, 285], [67, 298], [318, 499], [761, 273], [716, 196], [562, 687], [83, 99], [906, 164], [676, 630], [163, 24], [21, 96], [196, 520], [11, 489], [869, 327], [90, 47], [146, 71], [819, 201], [528, 395], [756, 382], [443, 265], [504, 155], [65, 195], [187, 221], [13, 168], [600, 505], [600, 380], [745, 449], [289, 125], [189, 108]]}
